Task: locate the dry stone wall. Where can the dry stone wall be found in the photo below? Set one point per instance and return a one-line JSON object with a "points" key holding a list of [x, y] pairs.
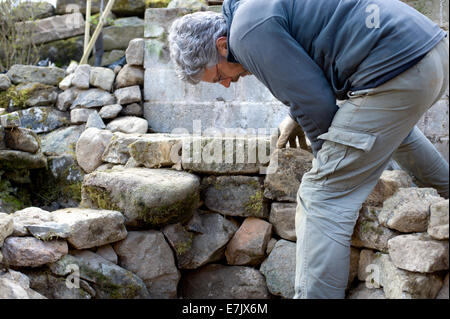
{"points": [[87, 187]]}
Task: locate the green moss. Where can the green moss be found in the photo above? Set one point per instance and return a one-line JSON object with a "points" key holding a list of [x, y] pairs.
{"points": [[255, 205], [100, 198], [14, 97], [156, 3], [172, 213], [367, 226], [45, 113], [183, 247], [95, 19]]}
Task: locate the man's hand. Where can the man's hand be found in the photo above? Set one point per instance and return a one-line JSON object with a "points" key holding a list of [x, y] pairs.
{"points": [[289, 130]]}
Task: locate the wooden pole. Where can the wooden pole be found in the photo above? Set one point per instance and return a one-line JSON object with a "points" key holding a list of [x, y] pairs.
{"points": [[87, 25], [97, 32]]}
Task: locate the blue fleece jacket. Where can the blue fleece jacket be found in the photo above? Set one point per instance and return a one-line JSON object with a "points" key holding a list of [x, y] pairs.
{"points": [[309, 53]]}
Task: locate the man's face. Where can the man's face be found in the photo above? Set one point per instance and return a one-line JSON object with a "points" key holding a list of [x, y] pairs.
{"points": [[224, 73]]}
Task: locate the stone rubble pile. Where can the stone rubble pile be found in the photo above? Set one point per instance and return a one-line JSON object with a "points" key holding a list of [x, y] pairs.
{"points": [[95, 95], [43, 112]]}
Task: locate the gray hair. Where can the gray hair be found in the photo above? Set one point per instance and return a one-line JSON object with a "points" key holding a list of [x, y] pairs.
{"points": [[192, 42]]}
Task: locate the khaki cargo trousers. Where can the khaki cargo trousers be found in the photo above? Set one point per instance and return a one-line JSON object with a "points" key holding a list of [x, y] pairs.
{"points": [[368, 130]]}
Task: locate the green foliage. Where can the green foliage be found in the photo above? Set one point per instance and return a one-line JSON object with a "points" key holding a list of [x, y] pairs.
{"points": [[95, 19], [15, 47]]}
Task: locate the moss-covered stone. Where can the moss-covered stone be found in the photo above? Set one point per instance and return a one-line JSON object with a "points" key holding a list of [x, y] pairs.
{"points": [[97, 197], [156, 3], [148, 198], [254, 206], [180, 211], [14, 99]]}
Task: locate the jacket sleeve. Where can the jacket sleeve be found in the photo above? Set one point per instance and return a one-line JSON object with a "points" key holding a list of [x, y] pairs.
{"points": [[283, 66]]}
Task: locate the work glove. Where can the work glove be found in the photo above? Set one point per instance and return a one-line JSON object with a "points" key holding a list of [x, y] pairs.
{"points": [[289, 131]]}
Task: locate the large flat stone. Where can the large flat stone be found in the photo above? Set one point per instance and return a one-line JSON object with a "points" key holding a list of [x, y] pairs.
{"points": [[216, 281], [408, 210], [42, 119], [419, 253], [91, 228], [54, 28], [398, 283], [157, 150], [108, 279], [201, 241], [93, 98], [18, 159], [150, 197], [34, 10], [129, 7], [33, 94], [118, 36], [29, 216], [287, 167], [32, 252], [19, 73], [148, 255], [235, 195]]}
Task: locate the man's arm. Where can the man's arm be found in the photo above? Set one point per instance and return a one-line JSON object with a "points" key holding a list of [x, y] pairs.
{"points": [[283, 66]]}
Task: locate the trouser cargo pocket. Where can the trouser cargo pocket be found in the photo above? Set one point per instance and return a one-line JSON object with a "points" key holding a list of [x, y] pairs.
{"points": [[340, 162]]}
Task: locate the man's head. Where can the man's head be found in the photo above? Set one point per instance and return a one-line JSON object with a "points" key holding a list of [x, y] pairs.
{"points": [[198, 47]]}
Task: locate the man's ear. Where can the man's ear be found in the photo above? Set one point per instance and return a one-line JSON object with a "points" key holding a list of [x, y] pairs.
{"points": [[222, 47]]}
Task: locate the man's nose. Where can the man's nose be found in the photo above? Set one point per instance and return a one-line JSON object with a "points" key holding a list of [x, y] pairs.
{"points": [[226, 83]]}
